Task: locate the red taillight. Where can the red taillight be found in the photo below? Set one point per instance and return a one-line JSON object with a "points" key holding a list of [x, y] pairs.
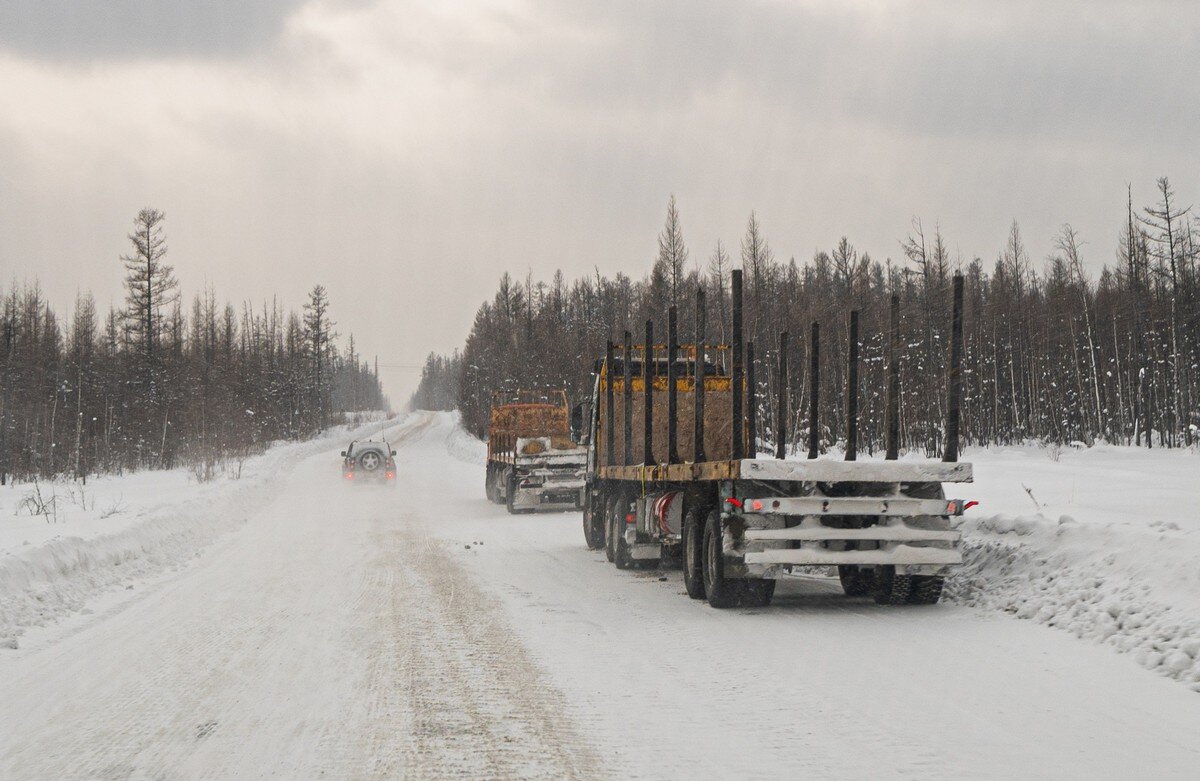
{"points": [[391, 475], [349, 475], [735, 502], [630, 518]]}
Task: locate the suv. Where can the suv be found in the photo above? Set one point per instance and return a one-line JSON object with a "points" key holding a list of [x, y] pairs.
{"points": [[369, 460]]}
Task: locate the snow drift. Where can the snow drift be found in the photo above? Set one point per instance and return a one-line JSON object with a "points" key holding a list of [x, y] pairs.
{"points": [[49, 570], [1134, 589]]}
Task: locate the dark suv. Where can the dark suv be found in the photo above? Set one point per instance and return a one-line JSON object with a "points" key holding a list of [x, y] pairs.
{"points": [[369, 460]]}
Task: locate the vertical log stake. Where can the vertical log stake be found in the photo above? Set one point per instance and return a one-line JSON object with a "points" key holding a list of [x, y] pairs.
{"points": [[814, 380], [738, 411], [852, 391], [954, 399], [892, 421], [781, 405], [648, 390], [698, 373]]}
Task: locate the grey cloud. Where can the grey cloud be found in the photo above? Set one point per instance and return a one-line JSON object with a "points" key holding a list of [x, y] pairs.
{"points": [[1057, 69], [77, 30]]}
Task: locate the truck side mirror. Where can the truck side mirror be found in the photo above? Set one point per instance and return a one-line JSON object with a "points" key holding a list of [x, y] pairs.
{"points": [[393, 452], [343, 454]]}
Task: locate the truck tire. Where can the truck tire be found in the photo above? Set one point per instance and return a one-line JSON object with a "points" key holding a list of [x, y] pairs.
{"points": [[890, 588], [693, 551], [856, 581], [616, 531], [489, 485], [722, 592], [510, 494], [593, 520], [926, 590], [497, 492], [610, 551]]}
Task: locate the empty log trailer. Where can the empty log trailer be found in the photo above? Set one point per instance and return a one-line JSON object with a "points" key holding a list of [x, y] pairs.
{"points": [[739, 520], [533, 463]]}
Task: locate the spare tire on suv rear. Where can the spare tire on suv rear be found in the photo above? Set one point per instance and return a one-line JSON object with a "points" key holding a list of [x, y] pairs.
{"points": [[371, 460]]}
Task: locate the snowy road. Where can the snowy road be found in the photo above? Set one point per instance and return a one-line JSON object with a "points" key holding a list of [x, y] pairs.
{"points": [[356, 632]]}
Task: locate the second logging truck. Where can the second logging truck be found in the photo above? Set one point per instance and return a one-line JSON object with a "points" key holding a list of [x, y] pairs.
{"points": [[673, 474], [533, 463]]}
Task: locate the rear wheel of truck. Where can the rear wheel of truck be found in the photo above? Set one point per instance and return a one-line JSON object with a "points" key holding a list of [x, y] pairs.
{"points": [[489, 484], [510, 494], [616, 533], [856, 581], [722, 592], [890, 588], [693, 551], [926, 590], [593, 520]]}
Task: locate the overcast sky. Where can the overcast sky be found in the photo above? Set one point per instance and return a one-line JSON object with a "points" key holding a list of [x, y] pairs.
{"points": [[405, 154]]}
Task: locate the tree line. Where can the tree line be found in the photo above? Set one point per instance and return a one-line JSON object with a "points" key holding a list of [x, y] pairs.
{"points": [[1052, 353], [156, 383]]}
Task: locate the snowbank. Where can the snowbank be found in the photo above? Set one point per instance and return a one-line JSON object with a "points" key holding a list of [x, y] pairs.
{"points": [[1110, 551], [463, 446], [121, 529]]}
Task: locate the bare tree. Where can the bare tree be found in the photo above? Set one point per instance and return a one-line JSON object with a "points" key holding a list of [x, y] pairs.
{"points": [[318, 332], [756, 262], [718, 271], [1165, 226], [150, 287], [672, 253]]}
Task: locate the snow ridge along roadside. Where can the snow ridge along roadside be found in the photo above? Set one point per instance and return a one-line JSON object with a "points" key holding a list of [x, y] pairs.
{"points": [[1135, 589], [40, 583]]}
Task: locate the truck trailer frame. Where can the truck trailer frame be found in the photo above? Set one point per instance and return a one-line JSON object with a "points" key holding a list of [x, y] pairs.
{"points": [[738, 520]]}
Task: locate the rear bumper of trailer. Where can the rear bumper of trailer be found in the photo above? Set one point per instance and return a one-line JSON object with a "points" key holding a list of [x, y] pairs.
{"points": [[910, 534], [548, 497]]}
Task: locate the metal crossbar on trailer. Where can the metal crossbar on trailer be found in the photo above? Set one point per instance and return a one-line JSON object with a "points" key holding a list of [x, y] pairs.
{"points": [[737, 523], [818, 470]]}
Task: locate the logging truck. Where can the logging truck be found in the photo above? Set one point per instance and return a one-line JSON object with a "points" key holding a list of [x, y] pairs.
{"points": [[674, 474], [533, 463]]}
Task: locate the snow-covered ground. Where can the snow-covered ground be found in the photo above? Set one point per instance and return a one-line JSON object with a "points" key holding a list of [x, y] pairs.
{"points": [[419, 631], [114, 530]]}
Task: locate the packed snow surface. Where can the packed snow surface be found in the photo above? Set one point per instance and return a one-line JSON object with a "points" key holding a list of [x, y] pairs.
{"points": [[308, 628]]}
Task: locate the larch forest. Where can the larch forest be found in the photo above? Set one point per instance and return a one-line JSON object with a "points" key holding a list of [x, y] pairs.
{"points": [[1053, 354], [155, 383]]}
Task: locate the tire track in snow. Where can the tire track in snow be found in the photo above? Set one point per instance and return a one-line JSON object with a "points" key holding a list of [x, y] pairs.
{"points": [[455, 693]]}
